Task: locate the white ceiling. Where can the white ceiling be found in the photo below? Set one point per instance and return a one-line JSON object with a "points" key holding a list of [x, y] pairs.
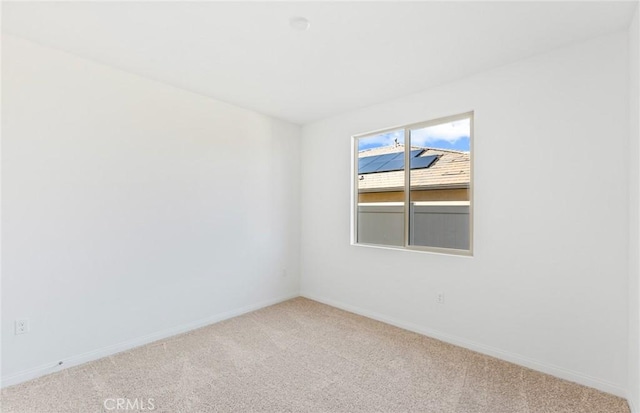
{"points": [[354, 54]]}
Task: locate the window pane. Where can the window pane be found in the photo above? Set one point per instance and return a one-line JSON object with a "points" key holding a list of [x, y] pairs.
{"points": [[380, 171], [440, 181]]}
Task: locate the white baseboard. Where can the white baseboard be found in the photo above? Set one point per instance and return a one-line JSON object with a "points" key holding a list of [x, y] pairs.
{"points": [[543, 367], [560, 372], [632, 407], [54, 366]]}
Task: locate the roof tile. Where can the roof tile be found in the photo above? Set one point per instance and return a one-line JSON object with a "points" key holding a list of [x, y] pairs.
{"points": [[451, 169]]}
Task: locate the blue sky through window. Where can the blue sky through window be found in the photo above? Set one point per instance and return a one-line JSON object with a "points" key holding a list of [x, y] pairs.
{"points": [[451, 135]]}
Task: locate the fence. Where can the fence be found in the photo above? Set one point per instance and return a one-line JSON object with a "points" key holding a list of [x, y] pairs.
{"points": [[440, 225]]}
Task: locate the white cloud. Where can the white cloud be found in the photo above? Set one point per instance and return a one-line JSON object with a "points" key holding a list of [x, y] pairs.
{"points": [[450, 132], [385, 139]]}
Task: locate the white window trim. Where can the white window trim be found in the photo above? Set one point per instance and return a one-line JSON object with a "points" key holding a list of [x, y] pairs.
{"points": [[407, 182]]}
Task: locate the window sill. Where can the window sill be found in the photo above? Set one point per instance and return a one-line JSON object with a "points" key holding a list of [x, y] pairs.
{"points": [[428, 250]]}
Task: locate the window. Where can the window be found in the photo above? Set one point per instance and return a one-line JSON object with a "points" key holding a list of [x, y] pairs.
{"points": [[427, 206]]}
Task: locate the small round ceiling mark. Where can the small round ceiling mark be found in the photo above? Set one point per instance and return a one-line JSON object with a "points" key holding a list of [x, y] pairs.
{"points": [[300, 24]]}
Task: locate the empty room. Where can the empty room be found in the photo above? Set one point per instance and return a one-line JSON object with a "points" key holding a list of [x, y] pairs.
{"points": [[322, 207]]}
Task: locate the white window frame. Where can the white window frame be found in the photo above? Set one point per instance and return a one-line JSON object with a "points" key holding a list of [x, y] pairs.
{"points": [[407, 182]]}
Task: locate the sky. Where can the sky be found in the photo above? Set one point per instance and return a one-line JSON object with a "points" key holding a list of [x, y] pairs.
{"points": [[451, 135]]}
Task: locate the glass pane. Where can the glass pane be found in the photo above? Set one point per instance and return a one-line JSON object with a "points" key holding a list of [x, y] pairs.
{"points": [[380, 169], [439, 181]]}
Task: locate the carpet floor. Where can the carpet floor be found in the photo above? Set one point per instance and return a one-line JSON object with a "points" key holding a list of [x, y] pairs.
{"points": [[302, 356]]}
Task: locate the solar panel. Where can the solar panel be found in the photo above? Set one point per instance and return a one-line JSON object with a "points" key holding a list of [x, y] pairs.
{"points": [[423, 162], [371, 164], [396, 156], [364, 161], [371, 167], [395, 165], [393, 162], [390, 156]]}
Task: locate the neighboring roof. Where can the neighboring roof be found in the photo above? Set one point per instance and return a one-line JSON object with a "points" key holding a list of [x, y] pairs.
{"points": [[451, 170]]}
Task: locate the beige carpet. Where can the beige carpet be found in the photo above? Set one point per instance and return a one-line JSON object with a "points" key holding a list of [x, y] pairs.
{"points": [[301, 356]]}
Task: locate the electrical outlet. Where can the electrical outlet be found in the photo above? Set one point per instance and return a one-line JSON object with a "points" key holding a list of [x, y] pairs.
{"points": [[22, 326], [440, 298]]}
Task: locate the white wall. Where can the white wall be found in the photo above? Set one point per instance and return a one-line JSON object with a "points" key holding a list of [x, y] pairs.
{"points": [[133, 210], [547, 286], [634, 212], [152, 223]]}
